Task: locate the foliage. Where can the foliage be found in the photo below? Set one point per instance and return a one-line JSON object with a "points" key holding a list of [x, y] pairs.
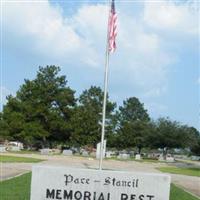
{"points": [[132, 110], [45, 113], [134, 124], [171, 134], [41, 109], [194, 141], [87, 117]]}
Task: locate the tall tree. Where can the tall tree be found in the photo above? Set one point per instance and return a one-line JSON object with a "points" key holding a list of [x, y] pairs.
{"points": [[195, 149], [133, 124], [168, 134], [87, 117], [41, 109], [133, 110]]}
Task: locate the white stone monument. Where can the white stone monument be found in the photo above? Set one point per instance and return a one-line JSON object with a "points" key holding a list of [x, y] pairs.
{"points": [[161, 158], [67, 152], [2, 149], [45, 151], [137, 157], [108, 154], [50, 183], [170, 159], [124, 156], [14, 148], [98, 152], [85, 153]]}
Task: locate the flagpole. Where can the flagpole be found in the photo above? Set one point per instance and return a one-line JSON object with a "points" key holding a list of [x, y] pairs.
{"points": [[105, 95]]}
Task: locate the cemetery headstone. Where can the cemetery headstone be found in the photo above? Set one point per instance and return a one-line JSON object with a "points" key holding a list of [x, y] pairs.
{"points": [[124, 156], [85, 153], [170, 159], [195, 158], [108, 154], [45, 151], [2, 149], [67, 152], [137, 157], [14, 148], [98, 152], [161, 158]]}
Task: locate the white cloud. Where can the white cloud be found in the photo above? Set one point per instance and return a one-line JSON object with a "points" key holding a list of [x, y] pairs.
{"points": [[167, 15], [141, 60], [43, 24]]}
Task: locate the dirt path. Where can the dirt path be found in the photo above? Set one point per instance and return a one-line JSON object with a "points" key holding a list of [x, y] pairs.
{"points": [[189, 183]]}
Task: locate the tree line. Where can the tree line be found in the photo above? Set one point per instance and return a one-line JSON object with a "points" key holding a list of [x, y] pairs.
{"points": [[46, 113]]}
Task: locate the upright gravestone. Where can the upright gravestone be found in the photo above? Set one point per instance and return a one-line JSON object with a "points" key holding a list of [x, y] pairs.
{"points": [[98, 152], [108, 154], [50, 183], [2, 149], [124, 156], [45, 151], [67, 152], [137, 157], [14, 148], [85, 153], [161, 158], [170, 159]]}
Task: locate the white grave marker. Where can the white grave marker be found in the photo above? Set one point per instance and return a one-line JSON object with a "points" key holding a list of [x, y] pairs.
{"points": [[49, 183], [137, 157], [14, 148], [170, 159], [2, 149], [85, 153], [45, 151], [67, 152], [98, 152]]}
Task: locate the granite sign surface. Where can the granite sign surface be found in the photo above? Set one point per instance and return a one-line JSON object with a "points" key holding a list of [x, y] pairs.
{"points": [[50, 183]]}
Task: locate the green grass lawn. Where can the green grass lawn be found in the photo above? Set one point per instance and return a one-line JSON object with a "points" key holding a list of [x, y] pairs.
{"points": [[177, 193], [5, 158], [183, 171], [25, 152], [16, 189], [19, 189]]}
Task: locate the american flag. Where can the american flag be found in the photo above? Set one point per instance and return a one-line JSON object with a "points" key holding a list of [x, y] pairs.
{"points": [[112, 28]]}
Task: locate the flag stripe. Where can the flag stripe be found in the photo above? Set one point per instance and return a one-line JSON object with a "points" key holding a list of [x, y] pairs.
{"points": [[112, 29]]}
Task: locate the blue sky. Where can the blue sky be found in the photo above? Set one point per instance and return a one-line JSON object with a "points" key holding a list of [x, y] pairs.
{"points": [[157, 56]]}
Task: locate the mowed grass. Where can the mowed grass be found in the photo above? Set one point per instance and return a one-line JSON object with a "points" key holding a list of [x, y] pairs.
{"points": [[25, 152], [19, 189], [9, 159], [16, 189], [177, 193], [183, 171]]}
